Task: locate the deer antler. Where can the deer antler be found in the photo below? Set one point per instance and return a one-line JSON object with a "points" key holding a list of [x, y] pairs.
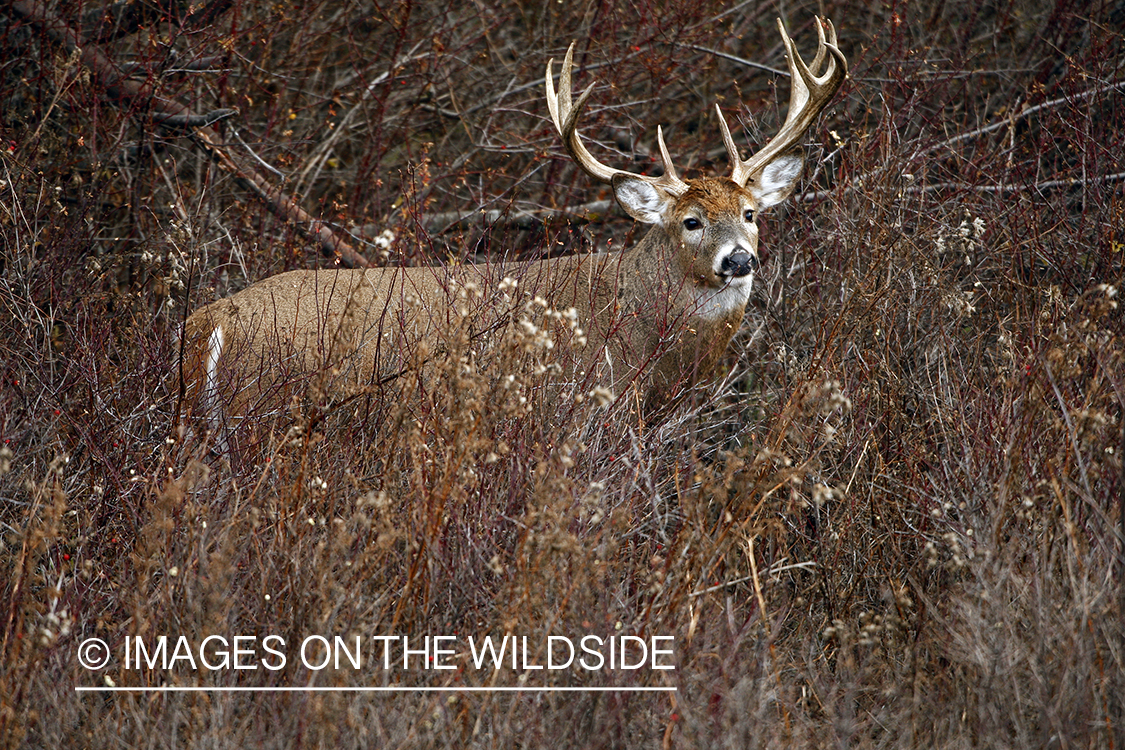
{"points": [[809, 94], [564, 113]]}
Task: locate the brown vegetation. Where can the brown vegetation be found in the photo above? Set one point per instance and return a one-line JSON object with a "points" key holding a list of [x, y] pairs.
{"points": [[896, 521]]}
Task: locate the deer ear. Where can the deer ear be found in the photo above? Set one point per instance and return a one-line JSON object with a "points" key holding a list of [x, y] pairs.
{"points": [[641, 199], [776, 181]]}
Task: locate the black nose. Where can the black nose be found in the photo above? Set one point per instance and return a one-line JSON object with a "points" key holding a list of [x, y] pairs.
{"points": [[740, 264]]}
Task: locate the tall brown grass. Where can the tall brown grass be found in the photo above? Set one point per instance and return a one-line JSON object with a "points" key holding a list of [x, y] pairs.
{"points": [[895, 521]]}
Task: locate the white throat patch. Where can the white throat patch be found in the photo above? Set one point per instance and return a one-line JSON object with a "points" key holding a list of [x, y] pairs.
{"points": [[712, 304]]}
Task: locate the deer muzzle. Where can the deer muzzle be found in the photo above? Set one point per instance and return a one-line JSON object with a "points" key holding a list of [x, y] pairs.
{"points": [[739, 264]]}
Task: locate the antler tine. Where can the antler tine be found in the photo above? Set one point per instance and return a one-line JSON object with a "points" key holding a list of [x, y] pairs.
{"points": [[732, 149], [669, 180], [821, 49], [809, 94], [564, 114]]}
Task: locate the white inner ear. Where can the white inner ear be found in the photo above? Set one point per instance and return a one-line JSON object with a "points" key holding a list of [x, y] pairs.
{"points": [[640, 199], [776, 180]]}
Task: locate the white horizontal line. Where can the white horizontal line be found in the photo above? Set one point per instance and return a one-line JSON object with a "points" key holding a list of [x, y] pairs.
{"points": [[391, 689]]}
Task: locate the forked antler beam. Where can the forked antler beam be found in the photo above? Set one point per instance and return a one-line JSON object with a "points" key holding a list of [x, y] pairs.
{"points": [[809, 94], [565, 112], [811, 90]]}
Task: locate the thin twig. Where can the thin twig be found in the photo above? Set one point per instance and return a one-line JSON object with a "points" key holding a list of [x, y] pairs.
{"points": [[324, 150], [1021, 115], [739, 60], [1008, 121]]}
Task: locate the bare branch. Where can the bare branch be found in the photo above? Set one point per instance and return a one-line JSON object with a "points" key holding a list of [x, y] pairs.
{"points": [[1011, 188], [120, 87], [524, 219], [1022, 115], [124, 18], [193, 121], [740, 60]]}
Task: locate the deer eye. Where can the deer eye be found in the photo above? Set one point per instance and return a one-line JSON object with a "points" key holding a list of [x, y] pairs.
{"points": [[749, 215], [691, 224]]}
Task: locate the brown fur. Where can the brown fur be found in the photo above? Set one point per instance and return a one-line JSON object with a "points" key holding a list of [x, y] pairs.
{"points": [[362, 326]]}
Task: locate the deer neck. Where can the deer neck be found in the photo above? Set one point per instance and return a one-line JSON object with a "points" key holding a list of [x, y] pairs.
{"points": [[656, 280]]}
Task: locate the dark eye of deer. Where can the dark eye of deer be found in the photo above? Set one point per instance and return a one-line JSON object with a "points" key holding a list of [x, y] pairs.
{"points": [[749, 215], [691, 224]]}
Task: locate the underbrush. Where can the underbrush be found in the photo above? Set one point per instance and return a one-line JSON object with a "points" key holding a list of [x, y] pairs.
{"points": [[895, 519]]}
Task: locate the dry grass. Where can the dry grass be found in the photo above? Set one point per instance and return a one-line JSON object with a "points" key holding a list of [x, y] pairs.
{"points": [[897, 521]]}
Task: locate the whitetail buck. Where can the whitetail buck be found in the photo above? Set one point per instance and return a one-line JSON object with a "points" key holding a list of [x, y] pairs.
{"points": [[658, 315]]}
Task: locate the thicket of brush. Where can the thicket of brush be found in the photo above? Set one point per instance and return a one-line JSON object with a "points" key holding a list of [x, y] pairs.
{"points": [[895, 521]]}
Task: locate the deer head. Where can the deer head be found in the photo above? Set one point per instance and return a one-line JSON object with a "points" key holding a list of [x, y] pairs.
{"points": [[708, 224]]}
